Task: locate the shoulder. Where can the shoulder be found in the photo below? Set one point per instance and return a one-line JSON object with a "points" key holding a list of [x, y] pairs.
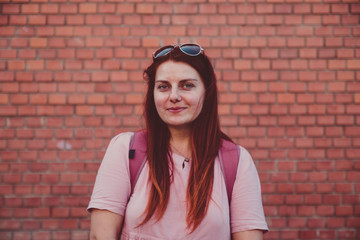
{"points": [[227, 145], [119, 143], [244, 154], [122, 136], [246, 161], [231, 149], [121, 139], [118, 147]]}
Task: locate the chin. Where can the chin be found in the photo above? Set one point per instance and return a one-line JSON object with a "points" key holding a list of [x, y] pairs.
{"points": [[176, 125], [183, 125]]}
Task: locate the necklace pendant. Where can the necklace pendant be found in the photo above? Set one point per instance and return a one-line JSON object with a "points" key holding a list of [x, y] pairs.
{"points": [[185, 160]]}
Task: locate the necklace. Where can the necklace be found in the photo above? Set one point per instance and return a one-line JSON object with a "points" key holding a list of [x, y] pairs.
{"points": [[186, 159]]}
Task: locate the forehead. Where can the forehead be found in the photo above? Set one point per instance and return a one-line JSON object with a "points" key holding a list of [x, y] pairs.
{"points": [[171, 70]]}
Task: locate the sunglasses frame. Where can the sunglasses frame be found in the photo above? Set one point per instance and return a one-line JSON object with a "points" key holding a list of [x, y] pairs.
{"points": [[172, 47]]}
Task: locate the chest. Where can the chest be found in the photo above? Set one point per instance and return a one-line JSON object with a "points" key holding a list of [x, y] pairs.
{"points": [[173, 224]]}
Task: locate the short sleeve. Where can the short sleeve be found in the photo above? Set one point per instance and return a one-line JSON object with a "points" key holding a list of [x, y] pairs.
{"points": [[112, 185], [246, 210]]}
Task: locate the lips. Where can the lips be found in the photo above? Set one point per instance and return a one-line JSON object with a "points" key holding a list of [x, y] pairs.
{"points": [[176, 109]]}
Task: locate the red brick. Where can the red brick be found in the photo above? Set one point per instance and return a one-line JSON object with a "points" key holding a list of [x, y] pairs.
{"points": [[287, 210], [75, 20], [16, 65], [273, 19], [286, 98], [145, 8], [325, 210], [255, 20], [4, 98], [280, 64], [242, 64], [223, 9], [204, 8], [16, 20], [37, 20], [344, 31], [297, 223], [335, 222], [56, 20], [321, 8], [18, 99], [85, 8], [64, 31], [349, 20], [223, 64], [353, 64], [49, 9], [30, 8], [11, 8], [57, 43], [106, 8], [68, 8], [293, 20], [327, 98], [266, 31], [302, 8], [26, 31], [264, 8], [42, 235]]}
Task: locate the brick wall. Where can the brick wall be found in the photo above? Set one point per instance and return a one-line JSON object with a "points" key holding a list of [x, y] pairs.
{"points": [[289, 80]]}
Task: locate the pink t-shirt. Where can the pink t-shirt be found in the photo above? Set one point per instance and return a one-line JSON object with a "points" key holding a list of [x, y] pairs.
{"points": [[112, 192]]}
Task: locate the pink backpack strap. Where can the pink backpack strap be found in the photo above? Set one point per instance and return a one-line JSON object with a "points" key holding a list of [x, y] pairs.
{"points": [[137, 156], [229, 161]]}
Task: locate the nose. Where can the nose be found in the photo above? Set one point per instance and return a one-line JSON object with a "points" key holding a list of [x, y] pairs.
{"points": [[175, 96]]}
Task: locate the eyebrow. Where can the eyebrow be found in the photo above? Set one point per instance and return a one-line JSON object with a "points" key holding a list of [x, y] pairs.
{"points": [[181, 81]]}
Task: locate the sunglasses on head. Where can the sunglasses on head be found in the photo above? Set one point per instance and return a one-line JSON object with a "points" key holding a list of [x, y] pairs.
{"points": [[190, 49]]}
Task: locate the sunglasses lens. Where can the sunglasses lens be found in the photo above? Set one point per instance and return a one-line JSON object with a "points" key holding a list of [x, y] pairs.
{"points": [[191, 49], [163, 51]]}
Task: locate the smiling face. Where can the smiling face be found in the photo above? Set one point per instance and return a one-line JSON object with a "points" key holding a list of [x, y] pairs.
{"points": [[178, 94]]}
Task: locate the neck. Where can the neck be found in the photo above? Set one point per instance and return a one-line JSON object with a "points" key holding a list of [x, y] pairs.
{"points": [[179, 133], [180, 141]]}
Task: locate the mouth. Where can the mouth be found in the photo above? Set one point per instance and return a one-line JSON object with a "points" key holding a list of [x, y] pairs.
{"points": [[176, 109]]}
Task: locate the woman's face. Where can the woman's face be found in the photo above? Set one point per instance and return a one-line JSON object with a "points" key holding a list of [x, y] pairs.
{"points": [[178, 94]]}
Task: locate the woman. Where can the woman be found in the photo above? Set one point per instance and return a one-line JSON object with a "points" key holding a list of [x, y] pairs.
{"points": [[180, 192]]}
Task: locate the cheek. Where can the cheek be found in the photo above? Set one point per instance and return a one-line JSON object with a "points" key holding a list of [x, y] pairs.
{"points": [[198, 104], [158, 100], [201, 99]]}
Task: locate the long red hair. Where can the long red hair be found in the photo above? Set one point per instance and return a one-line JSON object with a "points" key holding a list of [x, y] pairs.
{"points": [[205, 143]]}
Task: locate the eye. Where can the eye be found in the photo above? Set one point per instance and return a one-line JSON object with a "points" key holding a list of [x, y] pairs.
{"points": [[188, 86], [162, 87]]}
